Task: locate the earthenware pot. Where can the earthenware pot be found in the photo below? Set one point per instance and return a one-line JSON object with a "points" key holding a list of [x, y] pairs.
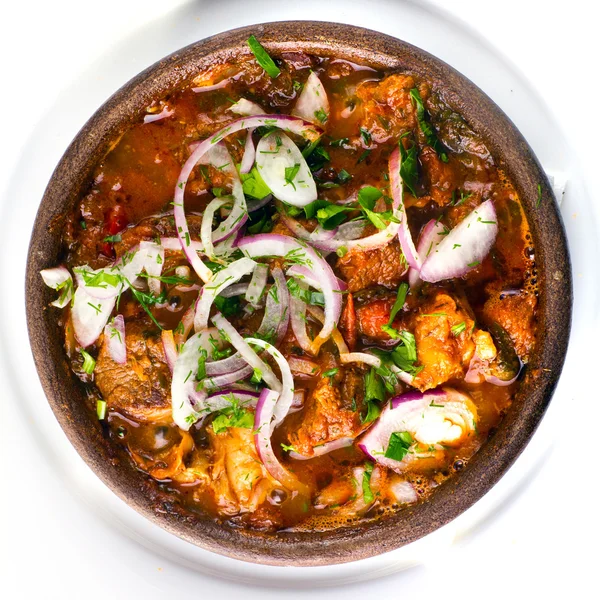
{"points": [[66, 394]]}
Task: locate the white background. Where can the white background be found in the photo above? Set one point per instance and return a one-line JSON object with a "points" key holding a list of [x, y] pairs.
{"points": [[64, 536]]}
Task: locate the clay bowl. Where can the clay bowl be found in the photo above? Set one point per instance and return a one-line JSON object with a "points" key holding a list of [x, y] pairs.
{"points": [[66, 395]]}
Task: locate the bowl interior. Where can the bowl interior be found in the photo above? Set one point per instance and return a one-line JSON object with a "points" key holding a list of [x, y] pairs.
{"points": [[512, 153]]}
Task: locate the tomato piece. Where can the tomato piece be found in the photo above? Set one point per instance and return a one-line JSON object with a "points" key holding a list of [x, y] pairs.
{"points": [[115, 221]]}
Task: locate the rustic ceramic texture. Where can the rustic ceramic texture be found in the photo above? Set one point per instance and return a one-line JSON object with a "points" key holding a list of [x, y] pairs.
{"points": [[67, 396]]}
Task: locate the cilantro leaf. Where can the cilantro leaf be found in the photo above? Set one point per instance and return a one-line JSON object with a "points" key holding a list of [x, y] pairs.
{"points": [[426, 127], [263, 58], [398, 445]]}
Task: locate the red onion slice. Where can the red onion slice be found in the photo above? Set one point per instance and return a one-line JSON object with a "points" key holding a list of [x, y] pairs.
{"points": [[397, 190], [302, 367], [210, 88], [225, 399], [114, 337], [326, 448], [434, 418], [294, 251], [363, 357], [235, 377], [206, 233], [246, 108], [238, 342], [231, 274], [59, 279], [276, 155], [431, 236], [286, 396], [313, 104], [257, 284], [187, 322], [89, 316], [464, 247], [163, 114], [249, 153], [265, 409], [237, 289], [153, 258], [285, 122], [174, 245], [277, 308]]}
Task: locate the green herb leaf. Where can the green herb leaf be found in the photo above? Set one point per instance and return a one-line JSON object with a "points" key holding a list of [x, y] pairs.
{"points": [[253, 184], [367, 198], [263, 58], [426, 127], [112, 239], [306, 295], [399, 445], [321, 115], [366, 484], [458, 329], [101, 409], [229, 307], [408, 169], [89, 364], [344, 176], [330, 373], [290, 174]]}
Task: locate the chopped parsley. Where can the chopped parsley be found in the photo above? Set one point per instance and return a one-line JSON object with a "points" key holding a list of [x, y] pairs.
{"points": [[229, 307], [363, 156], [235, 415], [331, 373], [321, 115], [367, 198], [398, 304], [343, 176], [307, 296], [290, 174], [399, 444], [253, 184], [263, 58], [89, 364], [426, 127], [366, 484], [112, 239], [409, 171], [256, 376]]}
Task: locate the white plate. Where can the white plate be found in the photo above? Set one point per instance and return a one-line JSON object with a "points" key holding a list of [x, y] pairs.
{"points": [[75, 513]]}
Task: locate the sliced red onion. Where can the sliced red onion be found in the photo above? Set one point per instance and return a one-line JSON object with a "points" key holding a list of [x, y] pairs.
{"points": [[403, 491], [254, 205], [286, 396], [298, 401], [326, 448], [434, 419], [169, 348], [302, 367], [238, 342], [219, 157], [312, 104], [397, 190], [257, 284], [224, 398], [361, 357], [294, 251], [234, 290], [229, 275], [298, 320], [464, 247], [206, 233], [431, 236], [186, 401], [276, 154], [163, 114], [479, 371], [114, 337], [277, 308], [153, 257], [249, 153], [89, 316], [265, 409], [337, 337], [219, 381], [174, 245], [284, 122], [246, 108], [59, 279], [104, 290]]}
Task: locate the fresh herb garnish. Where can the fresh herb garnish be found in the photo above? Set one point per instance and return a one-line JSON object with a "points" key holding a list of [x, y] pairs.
{"points": [[366, 136], [306, 295], [229, 307], [321, 115], [343, 176], [398, 304], [363, 156], [253, 184], [256, 376], [366, 484], [328, 214], [409, 171], [290, 174], [330, 373], [458, 329], [261, 222], [112, 239], [426, 127], [367, 198], [399, 444], [89, 364], [235, 415], [101, 409], [263, 58]]}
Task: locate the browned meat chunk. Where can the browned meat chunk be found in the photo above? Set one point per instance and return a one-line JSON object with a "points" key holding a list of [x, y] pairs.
{"points": [[332, 411], [373, 316], [439, 175], [347, 324], [380, 266], [443, 354], [141, 387], [514, 312], [387, 107]]}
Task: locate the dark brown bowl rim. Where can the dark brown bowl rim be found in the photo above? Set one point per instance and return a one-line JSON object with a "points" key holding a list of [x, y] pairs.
{"points": [[353, 542]]}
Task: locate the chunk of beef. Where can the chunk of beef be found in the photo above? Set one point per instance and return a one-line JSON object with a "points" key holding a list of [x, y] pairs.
{"points": [[387, 109], [348, 325], [515, 313], [239, 481], [371, 317], [440, 176], [332, 411], [380, 266], [140, 388], [443, 354]]}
